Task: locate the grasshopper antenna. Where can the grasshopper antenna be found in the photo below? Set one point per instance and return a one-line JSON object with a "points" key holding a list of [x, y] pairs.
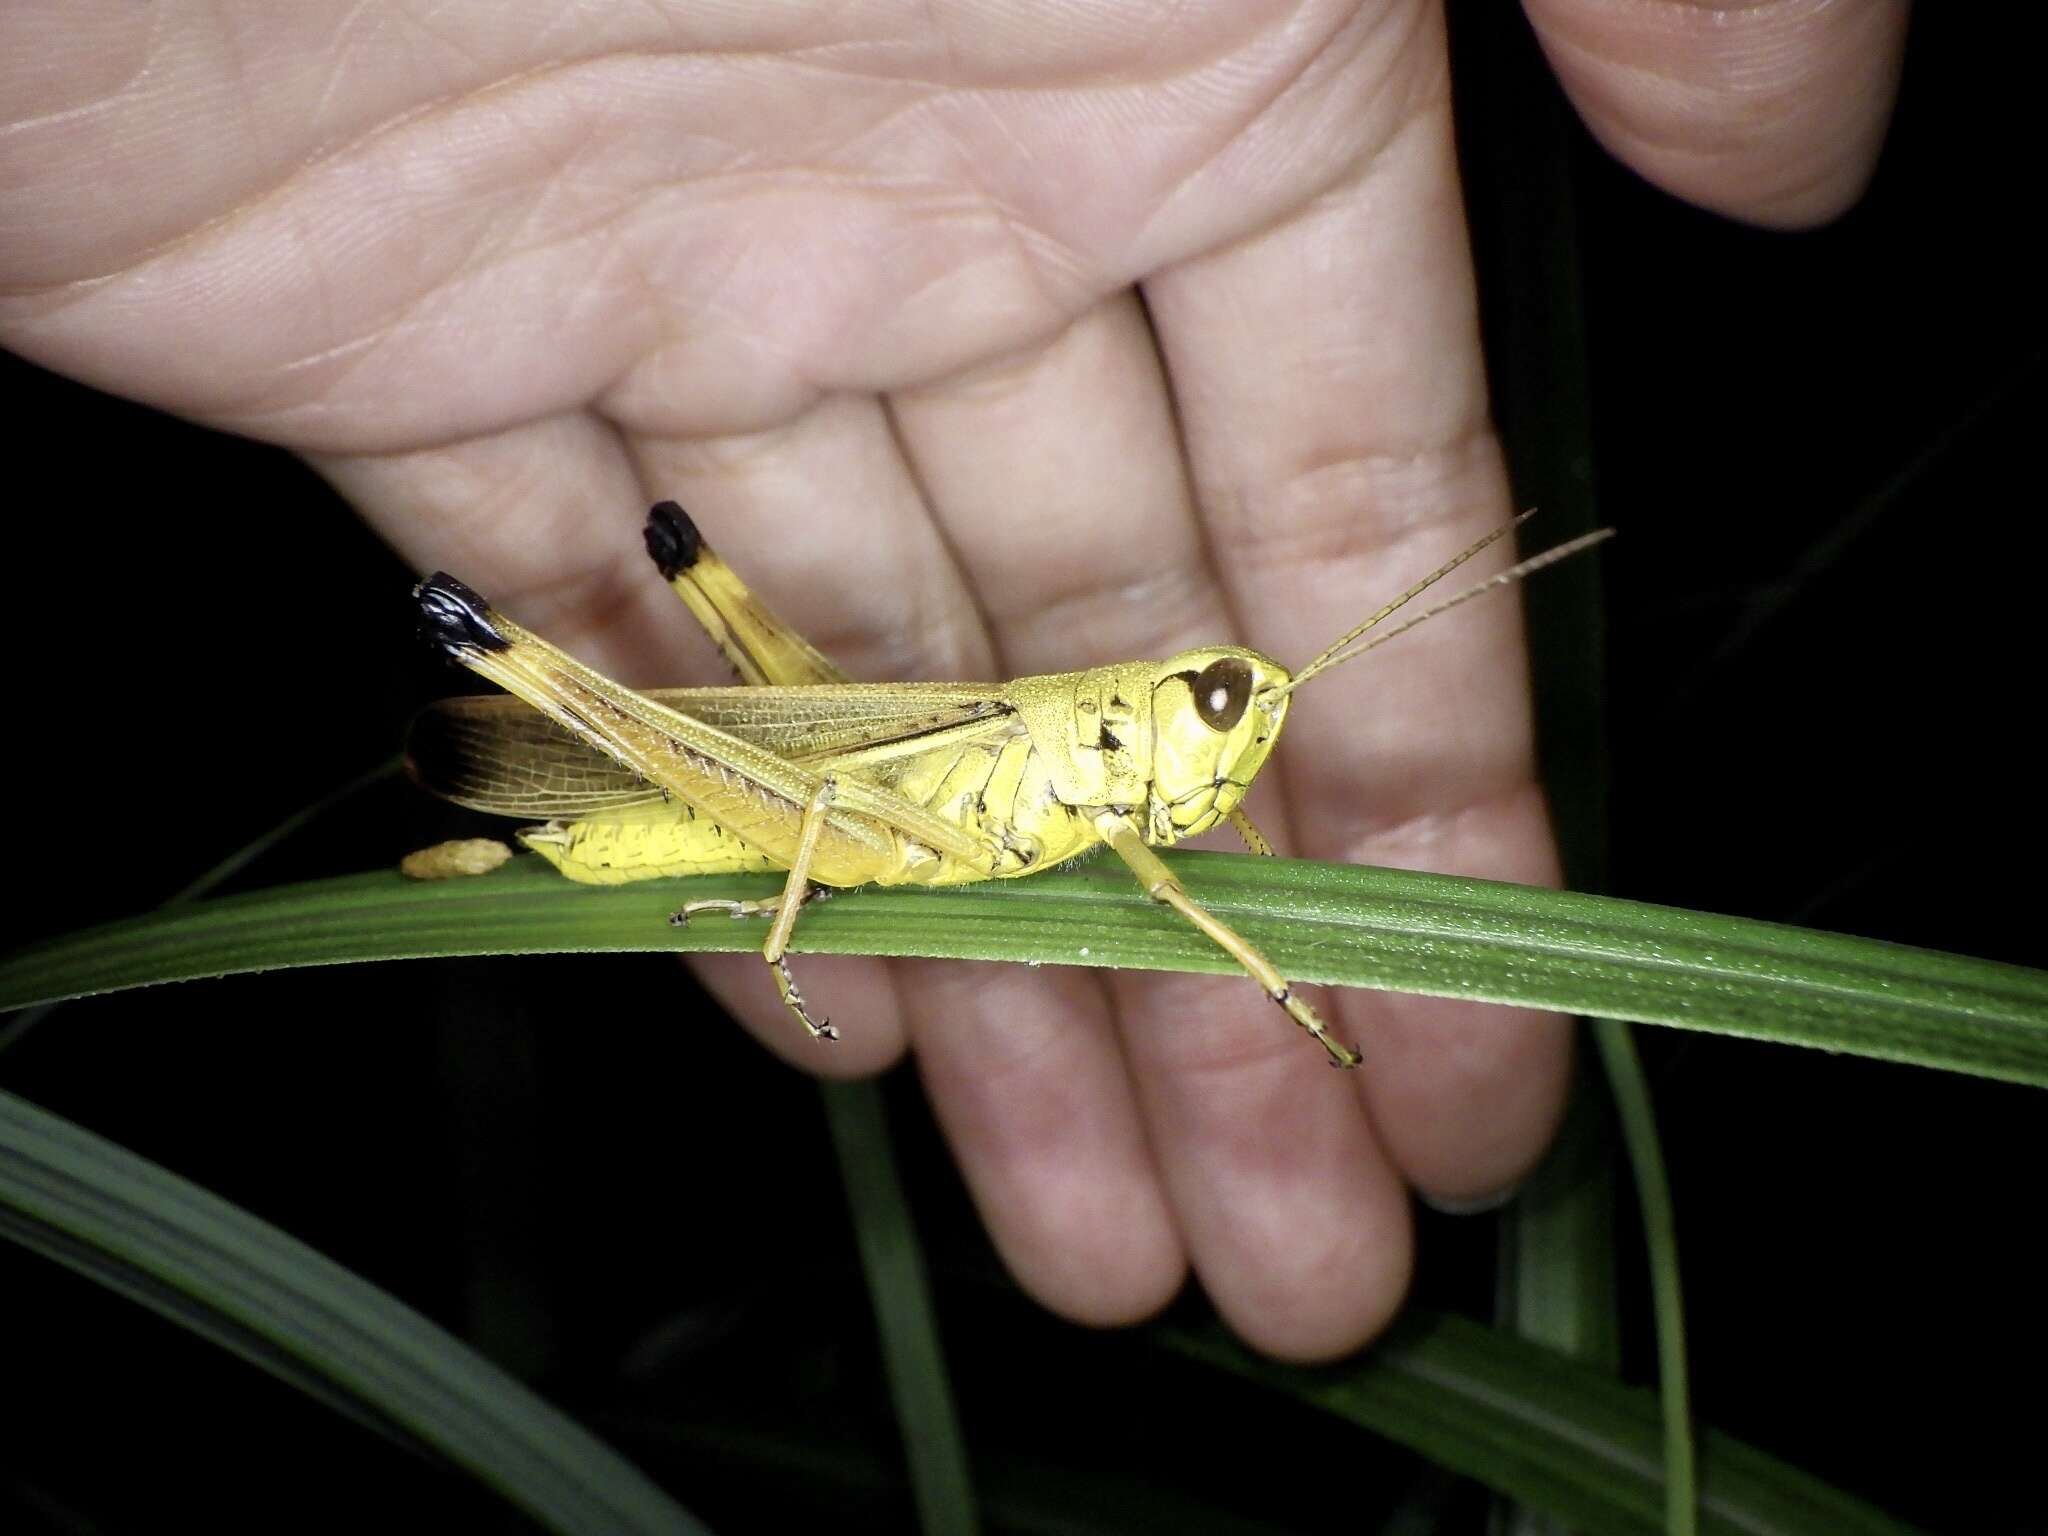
{"points": [[1345, 649]]}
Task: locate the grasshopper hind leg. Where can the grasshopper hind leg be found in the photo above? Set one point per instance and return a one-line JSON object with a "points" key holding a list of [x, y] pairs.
{"points": [[763, 650], [761, 647]]}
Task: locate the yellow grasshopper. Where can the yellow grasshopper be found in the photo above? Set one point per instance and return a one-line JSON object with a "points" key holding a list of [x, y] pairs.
{"points": [[842, 783]]}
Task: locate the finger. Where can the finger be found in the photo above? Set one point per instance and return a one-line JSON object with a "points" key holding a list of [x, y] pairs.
{"points": [[1023, 1069], [1293, 1215], [859, 997], [1061, 477], [1056, 475], [1771, 112], [1330, 382], [1025, 1076]]}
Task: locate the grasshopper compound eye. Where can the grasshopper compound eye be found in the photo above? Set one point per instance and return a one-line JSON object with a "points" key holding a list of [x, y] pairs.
{"points": [[1222, 689]]}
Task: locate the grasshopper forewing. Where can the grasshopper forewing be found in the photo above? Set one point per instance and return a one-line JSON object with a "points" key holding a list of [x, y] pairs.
{"points": [[841, 783]]}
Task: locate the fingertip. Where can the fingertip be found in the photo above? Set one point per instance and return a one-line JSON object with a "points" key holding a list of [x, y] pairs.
{"points": [[1297, 1226], [1772, 113], [854, 994], [1026, 1080], [1098, 1273], [1466, 1096], [1472, 1205], [1329, 1300]]}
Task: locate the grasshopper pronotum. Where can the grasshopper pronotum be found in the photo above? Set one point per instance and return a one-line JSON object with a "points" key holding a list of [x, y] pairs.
{"points": [[843, 783]]}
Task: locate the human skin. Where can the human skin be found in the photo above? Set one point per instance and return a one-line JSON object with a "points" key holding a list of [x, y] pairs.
{"points": [[984, 339]]}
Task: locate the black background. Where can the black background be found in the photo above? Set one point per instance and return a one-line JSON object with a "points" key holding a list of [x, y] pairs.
{"points": [[1821, 684]]}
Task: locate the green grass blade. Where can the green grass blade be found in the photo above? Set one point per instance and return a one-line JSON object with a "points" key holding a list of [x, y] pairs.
{"points": [[242, 1283], [1631, 1090], [1559, 1282], [1544, 1430], [902, 1297], [1559, 1279], [1335, 923]]}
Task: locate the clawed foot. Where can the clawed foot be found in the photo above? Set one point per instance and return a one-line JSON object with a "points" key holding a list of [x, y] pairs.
{"points": [[821, 1029], [680, 918], [1297, 1008]]}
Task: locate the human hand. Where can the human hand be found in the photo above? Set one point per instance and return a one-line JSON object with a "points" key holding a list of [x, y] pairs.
{"points": [[861, 287]]}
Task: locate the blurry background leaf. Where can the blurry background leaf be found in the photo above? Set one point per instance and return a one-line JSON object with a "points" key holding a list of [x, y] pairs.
{"points": [[160, 1240]]}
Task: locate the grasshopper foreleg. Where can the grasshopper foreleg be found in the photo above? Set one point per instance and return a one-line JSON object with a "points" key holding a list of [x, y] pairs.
{"points": [[1162, 886], [1253, 838]]}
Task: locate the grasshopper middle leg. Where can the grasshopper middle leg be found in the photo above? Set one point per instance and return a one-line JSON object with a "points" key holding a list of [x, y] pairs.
{"points": [[797, 890]]}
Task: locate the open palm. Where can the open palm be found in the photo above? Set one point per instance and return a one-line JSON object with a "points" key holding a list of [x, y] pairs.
{"points": [[983, 339]]}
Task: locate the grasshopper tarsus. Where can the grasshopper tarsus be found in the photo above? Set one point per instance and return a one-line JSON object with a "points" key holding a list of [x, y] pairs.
{"points": [[821, 1029], [1297, 1009], [1339, 1055], [680, 918]]}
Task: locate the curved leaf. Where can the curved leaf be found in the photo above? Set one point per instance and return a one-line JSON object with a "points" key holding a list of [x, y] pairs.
{"points": [[242, 1283], [1334, 923], [1545, 1430]]}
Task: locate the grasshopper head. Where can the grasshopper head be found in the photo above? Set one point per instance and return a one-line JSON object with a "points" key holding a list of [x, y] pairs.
{"points": [[1216, 713]]}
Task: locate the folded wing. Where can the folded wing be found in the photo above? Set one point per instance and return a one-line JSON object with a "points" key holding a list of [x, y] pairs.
{"points": [[499, 755]]}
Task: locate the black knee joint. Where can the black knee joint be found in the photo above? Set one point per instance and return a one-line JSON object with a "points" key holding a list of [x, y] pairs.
{"points": [[673, 542]]}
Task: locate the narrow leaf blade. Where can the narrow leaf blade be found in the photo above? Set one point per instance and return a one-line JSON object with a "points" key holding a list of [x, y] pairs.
{"points": [[1334, 923], [241, 1282], [1544, 1430]]}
